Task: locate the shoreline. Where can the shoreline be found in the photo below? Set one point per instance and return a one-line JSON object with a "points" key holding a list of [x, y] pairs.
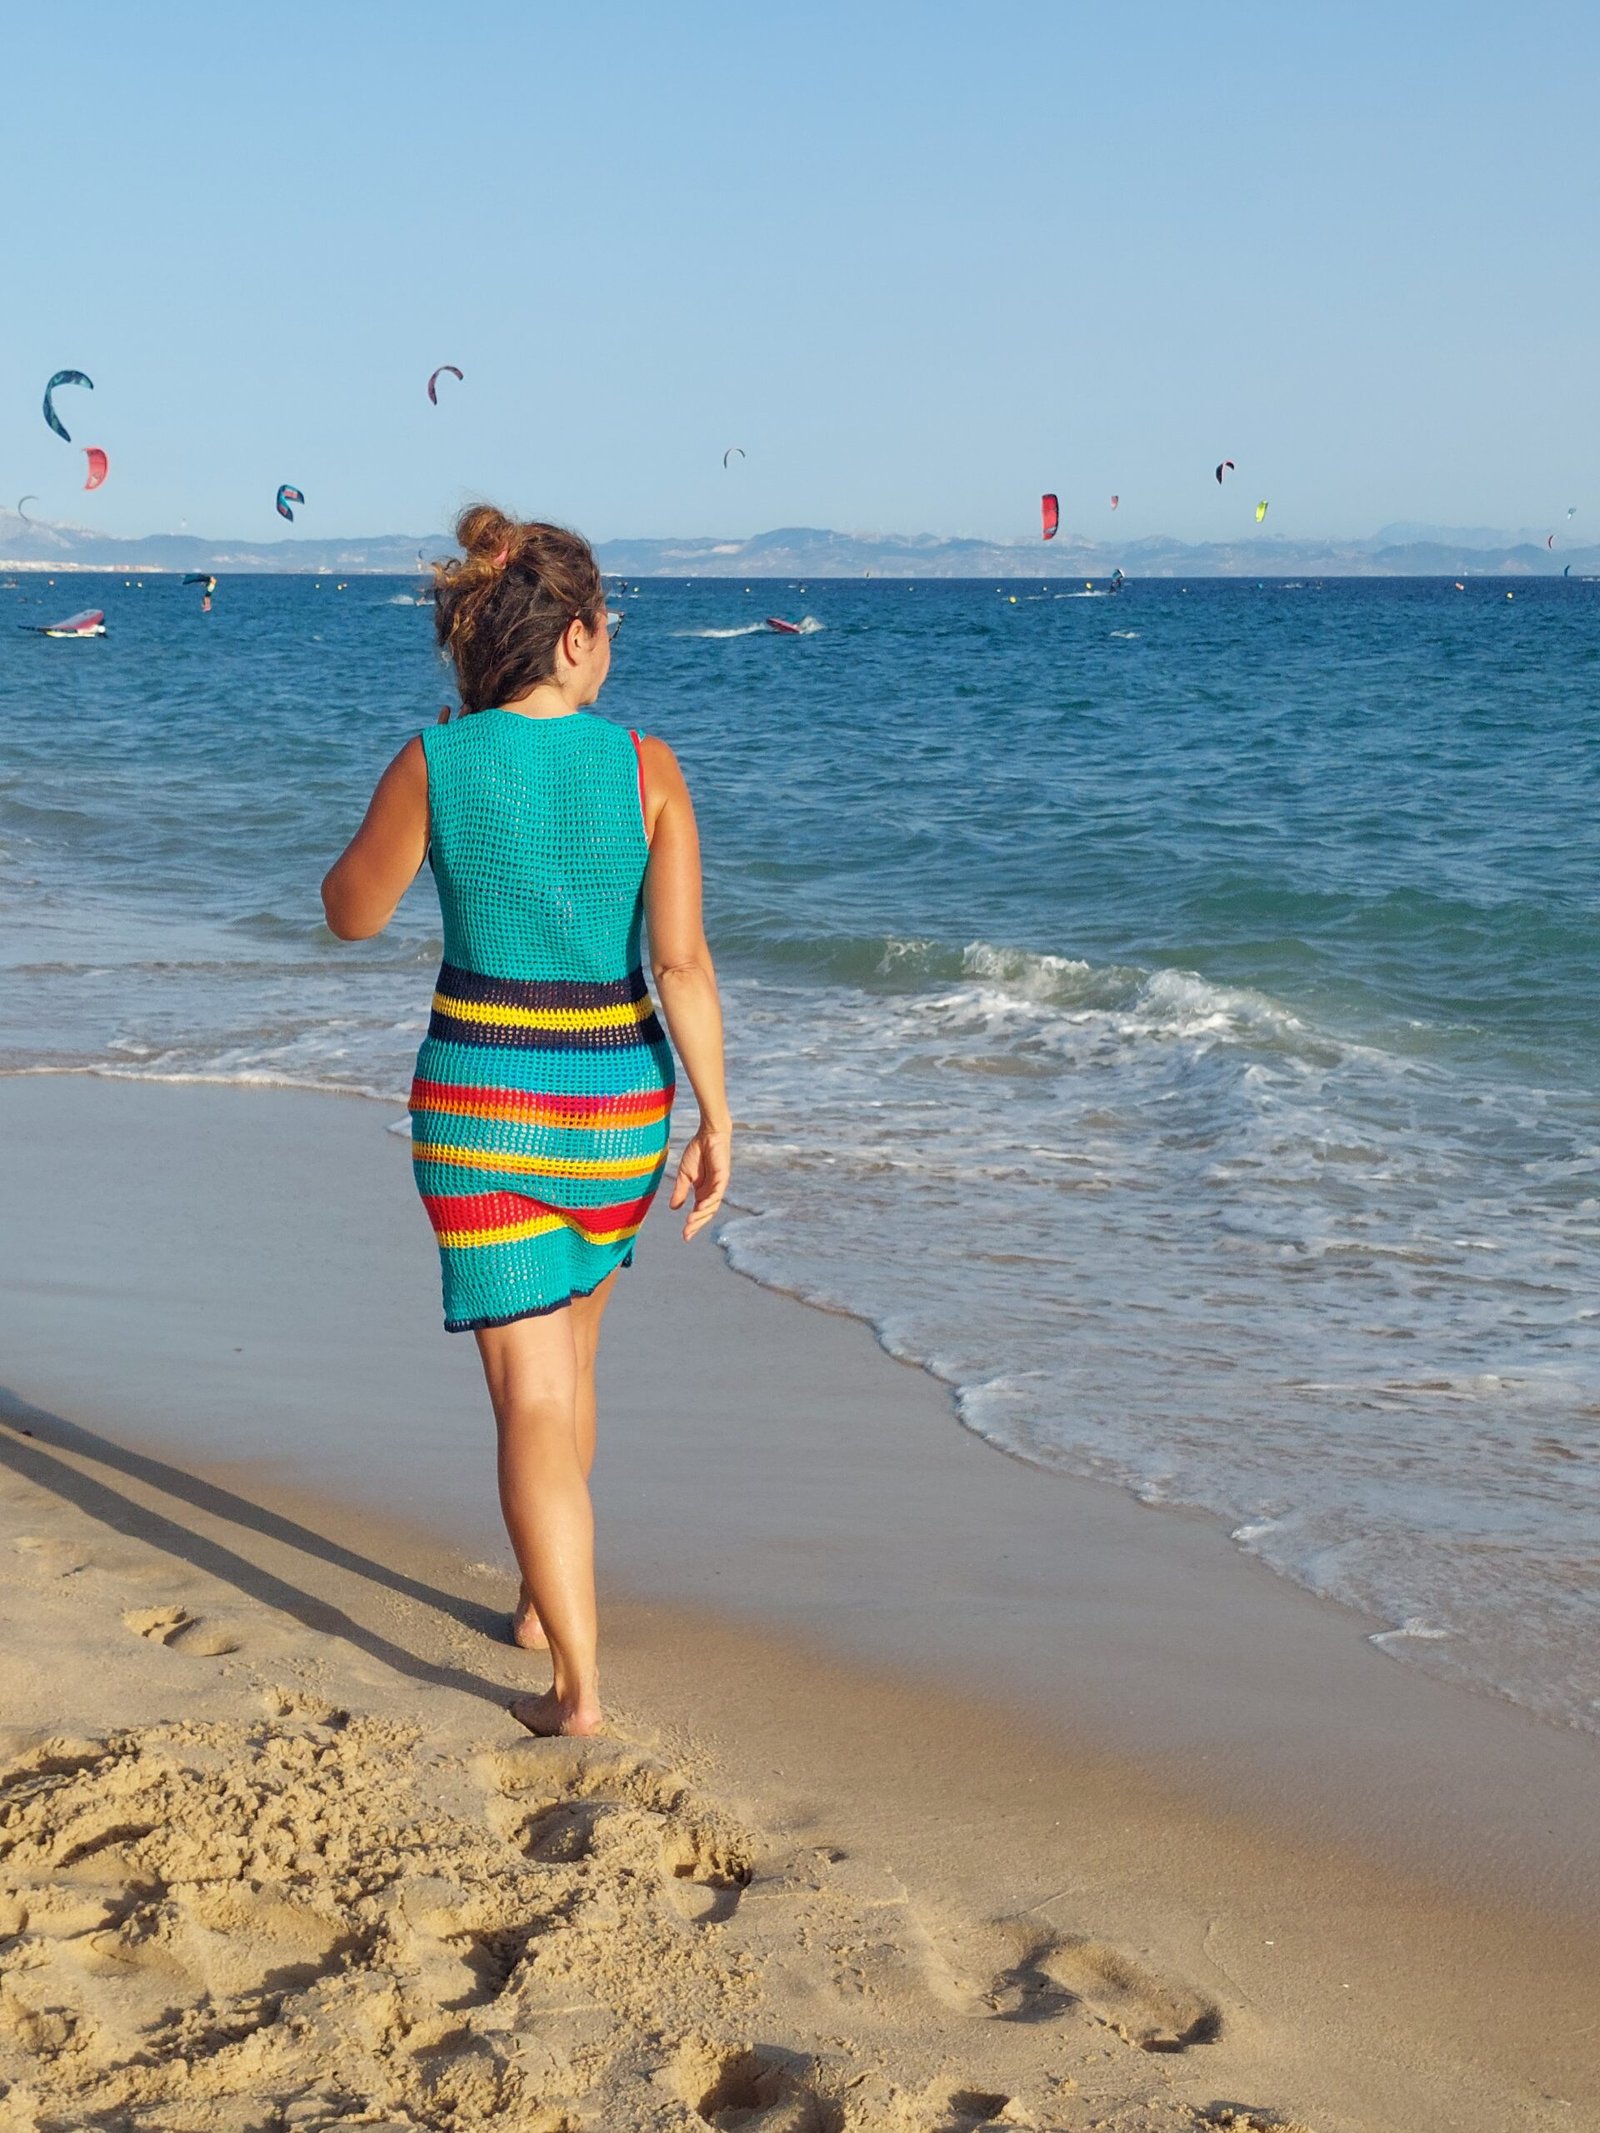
{"points": [[1387, 1637], [1013, 1681]]}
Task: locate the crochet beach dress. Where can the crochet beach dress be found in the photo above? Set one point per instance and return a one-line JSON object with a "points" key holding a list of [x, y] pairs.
{"points": [[543, 1092]]}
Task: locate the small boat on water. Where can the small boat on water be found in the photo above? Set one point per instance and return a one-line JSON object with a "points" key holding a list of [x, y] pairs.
{"points": [[91, 623], [784, 629]]}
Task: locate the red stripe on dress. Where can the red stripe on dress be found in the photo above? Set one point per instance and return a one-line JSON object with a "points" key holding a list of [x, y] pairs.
{"points": [[481, 1210], [638, 755], [499, 1210], [644, 1105], [600, 1221]]}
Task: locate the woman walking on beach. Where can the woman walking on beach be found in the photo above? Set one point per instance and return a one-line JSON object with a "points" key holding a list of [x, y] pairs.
{"points": [[543, 1092]]}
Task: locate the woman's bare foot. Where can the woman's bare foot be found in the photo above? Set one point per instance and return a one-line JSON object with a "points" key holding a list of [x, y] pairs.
{"points": [[527, 1631], [548, 1716]]}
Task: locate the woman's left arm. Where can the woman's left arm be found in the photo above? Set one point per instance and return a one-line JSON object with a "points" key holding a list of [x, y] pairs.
{"points": [[362, 889]]}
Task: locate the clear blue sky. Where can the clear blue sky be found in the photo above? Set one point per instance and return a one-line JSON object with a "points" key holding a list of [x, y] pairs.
{"points": [[920, 261]]}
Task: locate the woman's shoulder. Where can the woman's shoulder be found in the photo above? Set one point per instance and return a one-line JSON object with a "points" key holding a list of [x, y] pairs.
{"points": [[610, 732], [458, 733], [443, 733], [659, 763], [454, 752], [632, 749]]}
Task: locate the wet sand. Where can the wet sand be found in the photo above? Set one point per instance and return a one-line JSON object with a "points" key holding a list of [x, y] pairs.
{"points": [[1056, 1721]]}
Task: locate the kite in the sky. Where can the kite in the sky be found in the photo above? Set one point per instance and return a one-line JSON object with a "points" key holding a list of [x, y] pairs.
{"points": [[1115, 501], [286, 497], [1224, 466], [1261, 512], [62, 377], [1572, 510], [99, 465], [728, 454], [1551, 542], [438, 374], [23, 501], [1049, 516]]}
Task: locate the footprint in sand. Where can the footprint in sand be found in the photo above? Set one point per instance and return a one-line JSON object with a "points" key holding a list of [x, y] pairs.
{"points": [[54, 1558], [1052, 1975], [562, 1802], [710, 1869], [1244, 2118], [977, 2107], [729, 2086], [176, 1626], [296, 1705]]}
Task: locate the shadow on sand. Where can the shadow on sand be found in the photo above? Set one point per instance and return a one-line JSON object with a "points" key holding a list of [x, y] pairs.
{"points": [[30, 1439]]}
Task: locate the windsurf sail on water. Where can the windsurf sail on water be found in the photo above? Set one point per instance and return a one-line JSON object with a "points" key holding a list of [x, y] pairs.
{"points": [[90, 623]]}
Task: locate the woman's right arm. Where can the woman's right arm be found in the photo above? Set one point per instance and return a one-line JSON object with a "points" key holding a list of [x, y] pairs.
{"points": [[686, 983], [362, 889]]}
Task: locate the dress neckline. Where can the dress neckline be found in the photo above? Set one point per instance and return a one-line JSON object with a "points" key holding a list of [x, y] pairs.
{"points": [[525, 718]]}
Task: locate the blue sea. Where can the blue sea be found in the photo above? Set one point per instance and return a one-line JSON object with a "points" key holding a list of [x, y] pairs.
{"points": [[1171, 1018]]}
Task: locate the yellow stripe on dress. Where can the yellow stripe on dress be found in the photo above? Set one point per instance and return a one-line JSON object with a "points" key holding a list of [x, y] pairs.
{"points": [[615, 1016], [537, 1166], [502, 1233], [536, 1226]]}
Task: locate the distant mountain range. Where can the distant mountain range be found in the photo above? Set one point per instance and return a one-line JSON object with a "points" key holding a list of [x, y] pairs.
{"points": [[810, 552], [815, 552]]}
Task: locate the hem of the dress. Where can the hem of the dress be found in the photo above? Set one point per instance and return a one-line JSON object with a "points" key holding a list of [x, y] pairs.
{"points": [[487, 1325]]}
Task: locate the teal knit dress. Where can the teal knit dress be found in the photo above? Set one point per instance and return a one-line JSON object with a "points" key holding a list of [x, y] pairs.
{"points": [[543, 1094]]}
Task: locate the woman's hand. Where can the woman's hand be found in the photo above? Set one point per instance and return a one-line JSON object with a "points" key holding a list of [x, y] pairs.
{"points": [[703, 1169]]}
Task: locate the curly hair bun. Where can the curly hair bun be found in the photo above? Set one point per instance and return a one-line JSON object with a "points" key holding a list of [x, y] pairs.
{"points": [[500, 608]]}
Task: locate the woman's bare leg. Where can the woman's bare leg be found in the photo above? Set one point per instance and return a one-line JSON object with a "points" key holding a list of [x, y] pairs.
{"points": [[531, 1368], [585, 1314]]}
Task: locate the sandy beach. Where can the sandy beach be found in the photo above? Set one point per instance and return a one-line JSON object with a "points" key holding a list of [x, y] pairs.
{"points": [[941, 1791]]}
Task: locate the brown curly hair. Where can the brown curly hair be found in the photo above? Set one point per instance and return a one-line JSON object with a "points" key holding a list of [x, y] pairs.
{"points": [[500, 609]]}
